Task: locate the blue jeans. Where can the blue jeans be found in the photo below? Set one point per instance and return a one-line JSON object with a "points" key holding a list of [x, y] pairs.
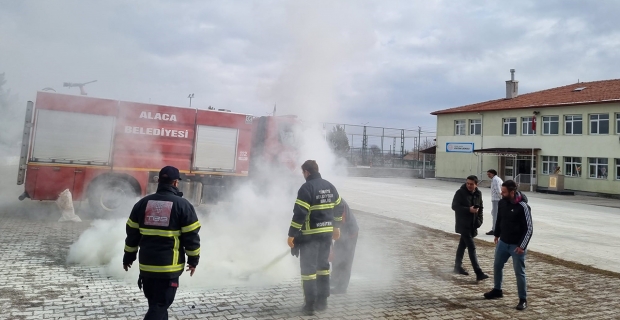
{"points": [[503, 251]]}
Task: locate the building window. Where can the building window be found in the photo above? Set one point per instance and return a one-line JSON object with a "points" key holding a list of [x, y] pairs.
{"points": [[573, 124], [475, 127], [551, 125], [510, 126], [527, 124], [572, 166], [459, 127], [617, 123], [599, 124], [617, 169], [598, 168], [549, 164]]}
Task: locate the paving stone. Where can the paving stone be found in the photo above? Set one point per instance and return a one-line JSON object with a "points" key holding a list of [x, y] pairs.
{"points": [[403, 271]]}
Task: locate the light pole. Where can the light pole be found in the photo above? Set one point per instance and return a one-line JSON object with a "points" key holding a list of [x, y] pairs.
{"points": [[190, 96]]}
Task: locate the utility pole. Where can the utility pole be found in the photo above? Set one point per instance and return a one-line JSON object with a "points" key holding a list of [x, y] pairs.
{"points": [[190, 96], [419, 136], [402, 143], [364, 146], [393, 151], [382, 150], [415, 145]]}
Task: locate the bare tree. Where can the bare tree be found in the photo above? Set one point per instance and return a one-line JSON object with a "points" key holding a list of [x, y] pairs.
{"points": [[339, 141]]}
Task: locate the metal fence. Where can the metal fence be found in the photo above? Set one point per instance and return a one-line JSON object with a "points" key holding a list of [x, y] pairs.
{"points": [[385, 147]]}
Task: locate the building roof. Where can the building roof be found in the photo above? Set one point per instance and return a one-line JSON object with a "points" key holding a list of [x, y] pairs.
{"points": [[586, 93], [431, 150]]}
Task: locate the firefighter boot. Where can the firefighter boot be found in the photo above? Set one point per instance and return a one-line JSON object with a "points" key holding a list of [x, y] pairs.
{"points": [[308, 309], [321, 303]]}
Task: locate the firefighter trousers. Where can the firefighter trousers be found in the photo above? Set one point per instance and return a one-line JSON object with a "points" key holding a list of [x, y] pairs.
{"points": [[160, 294], [344, 251], [314, 260]]}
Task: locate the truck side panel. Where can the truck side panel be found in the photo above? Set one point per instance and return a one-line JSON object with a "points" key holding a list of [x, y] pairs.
{"points": [[71, 137], [54, 170], [149, 137], [32, 173], [52, 181], [241, 122], [78, 183]]}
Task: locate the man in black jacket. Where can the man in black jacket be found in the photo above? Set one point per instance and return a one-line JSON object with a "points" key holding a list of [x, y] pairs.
{"points": [[316, 220], [344, 251], [468, 208], [164, 227], [513, 232]]}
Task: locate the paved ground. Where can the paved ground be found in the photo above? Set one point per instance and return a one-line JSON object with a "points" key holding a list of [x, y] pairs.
{"points": [[576, 228], [402, 271]]}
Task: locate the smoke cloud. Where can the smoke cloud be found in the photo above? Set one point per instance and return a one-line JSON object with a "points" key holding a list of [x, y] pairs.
{"points": [[249, 229], [238, 236], [11, 123], [327, 39]]}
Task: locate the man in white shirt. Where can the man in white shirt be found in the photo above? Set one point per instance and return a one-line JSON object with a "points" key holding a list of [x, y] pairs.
{"points": [[496, 195]]}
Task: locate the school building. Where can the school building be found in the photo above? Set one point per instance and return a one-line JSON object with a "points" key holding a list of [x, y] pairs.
{"points": [[572, 131]]}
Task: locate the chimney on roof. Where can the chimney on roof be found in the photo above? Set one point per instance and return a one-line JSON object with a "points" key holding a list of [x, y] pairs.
{"points": [[512, 86]]}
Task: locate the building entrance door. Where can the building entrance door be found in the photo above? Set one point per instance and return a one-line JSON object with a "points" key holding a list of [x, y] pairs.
{"points": [[512, 167], [524, 168]]}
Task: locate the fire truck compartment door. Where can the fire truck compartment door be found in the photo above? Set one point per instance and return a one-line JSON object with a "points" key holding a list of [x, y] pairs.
{"points": [[216, 148], [62, 136]]}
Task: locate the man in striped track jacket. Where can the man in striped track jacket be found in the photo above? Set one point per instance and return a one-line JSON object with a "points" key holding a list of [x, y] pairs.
{"points": [[513, 232]]}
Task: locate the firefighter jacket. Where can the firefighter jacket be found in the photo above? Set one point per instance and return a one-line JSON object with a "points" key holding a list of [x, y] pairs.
{"points": [[164, 226], [318, 208]]}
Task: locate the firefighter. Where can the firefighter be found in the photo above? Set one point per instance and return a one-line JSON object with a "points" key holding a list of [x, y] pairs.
{"points": [[344, 251], [316, 218], [164, 226]]}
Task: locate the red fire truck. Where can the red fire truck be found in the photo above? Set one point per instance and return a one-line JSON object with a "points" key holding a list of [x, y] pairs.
{"points": [[107, 151]]}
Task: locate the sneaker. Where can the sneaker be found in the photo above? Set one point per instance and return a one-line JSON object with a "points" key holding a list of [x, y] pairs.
{"points": [[494, 294], [320, 304], [522, 305], [307, 310], [460, 270], [490, 233], [481, 276]]}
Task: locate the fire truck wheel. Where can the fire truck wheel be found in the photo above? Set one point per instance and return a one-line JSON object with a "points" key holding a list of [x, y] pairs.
{"points": [[109, 195]]}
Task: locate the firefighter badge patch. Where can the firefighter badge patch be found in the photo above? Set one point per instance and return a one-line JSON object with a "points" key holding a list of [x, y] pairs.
{"points": [[158, 213]]}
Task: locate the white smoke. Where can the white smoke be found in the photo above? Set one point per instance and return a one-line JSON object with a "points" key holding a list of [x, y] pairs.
{"points": [[238, 237], [326, 39], [250, 230]]}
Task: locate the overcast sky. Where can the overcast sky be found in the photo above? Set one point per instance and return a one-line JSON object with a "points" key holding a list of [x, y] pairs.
{"points": [[386, 63]]}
